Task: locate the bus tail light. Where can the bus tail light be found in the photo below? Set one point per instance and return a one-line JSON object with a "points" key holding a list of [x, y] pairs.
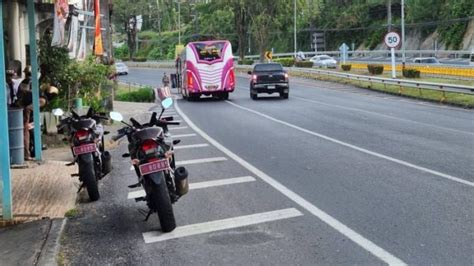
{"points": [[190, 80]]}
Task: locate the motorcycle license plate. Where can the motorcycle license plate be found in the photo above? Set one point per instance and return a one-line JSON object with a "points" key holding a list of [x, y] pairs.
{"points": [[83, 149], [271, 87], [153, 167]]}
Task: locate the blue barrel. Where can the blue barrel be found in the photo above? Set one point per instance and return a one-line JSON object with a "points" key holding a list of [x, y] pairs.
{"points": [[15, 135]]}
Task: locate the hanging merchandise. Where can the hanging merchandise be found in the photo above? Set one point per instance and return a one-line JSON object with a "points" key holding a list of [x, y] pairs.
{"points": [[74, 28], [61, 12], [83, 22], [98, 48]]}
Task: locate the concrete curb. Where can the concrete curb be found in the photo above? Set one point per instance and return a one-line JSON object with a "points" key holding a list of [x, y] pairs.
{"points": [[51, 246]]}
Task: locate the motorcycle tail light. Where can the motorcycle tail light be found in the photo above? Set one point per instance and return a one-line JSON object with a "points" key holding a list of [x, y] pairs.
{"points": [[82, 134], [149, 146]]}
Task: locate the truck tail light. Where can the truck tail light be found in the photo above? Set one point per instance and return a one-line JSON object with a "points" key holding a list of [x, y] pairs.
{"points": [[254, 77], [286, 76]]}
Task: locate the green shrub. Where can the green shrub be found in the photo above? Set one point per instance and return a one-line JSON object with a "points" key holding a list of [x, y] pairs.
{"points": [[286, 62], [121, 52], [411, 73], [139, 59], [245, 62], [346, 67], [304, 64], [141, 95], [125, 58], [375, 69]]}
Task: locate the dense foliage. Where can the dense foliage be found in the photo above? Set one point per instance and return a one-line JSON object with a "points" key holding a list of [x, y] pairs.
{"points": [[73, 79], [257, 26], [141, 95]]}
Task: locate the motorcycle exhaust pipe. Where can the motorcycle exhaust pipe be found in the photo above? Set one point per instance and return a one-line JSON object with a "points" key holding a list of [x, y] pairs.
{"points": [[181, 181]]}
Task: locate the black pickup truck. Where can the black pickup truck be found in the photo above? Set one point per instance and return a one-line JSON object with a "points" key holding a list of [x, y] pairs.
{"points": [[269, 78]]}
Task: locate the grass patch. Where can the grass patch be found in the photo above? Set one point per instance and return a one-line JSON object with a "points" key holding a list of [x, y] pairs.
{"points": [[458, 99], [71, 213], [127, 93]]}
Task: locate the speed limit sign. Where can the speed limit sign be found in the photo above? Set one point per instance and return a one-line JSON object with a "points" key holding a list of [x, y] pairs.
{"points": [[392, 39]]}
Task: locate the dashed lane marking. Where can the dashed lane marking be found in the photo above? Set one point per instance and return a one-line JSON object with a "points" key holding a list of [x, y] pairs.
{"points": [[202, 145], [200, 185], [198, 161], [219, 225], [184, 135]]}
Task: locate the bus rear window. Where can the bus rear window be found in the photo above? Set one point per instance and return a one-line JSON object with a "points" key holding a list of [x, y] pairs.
{"points": [[209, 51]]}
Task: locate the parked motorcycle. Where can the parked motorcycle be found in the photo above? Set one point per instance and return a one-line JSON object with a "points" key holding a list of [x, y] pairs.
{"points": [[86, 137], [151, 151]]}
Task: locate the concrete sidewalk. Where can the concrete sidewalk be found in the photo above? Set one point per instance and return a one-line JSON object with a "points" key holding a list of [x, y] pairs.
{"points": [[42, 194]]}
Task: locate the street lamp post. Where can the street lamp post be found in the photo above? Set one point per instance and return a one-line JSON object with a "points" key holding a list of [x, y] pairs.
{"points": [[294, 25], [179, 21], [403, 34]]}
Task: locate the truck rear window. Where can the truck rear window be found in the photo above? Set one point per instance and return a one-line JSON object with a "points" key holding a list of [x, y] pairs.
{"points": [[268, 67]]}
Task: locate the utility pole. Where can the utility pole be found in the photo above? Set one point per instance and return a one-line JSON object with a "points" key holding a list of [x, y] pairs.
{"points": [[294, 25], [389, 15], [179, 21], [403, 34]]}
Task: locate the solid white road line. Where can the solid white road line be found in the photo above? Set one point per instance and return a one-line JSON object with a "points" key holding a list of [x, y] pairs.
{"points": [[177, 128], [323, 216], [191, 146], [219, 225], [376, 154], [199, 185], [205, 160], [184, 135], [377, 114], [383, 115]]}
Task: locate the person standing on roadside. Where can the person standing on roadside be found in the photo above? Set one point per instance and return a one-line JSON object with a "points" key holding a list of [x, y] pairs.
{"points": [[166, 80]]}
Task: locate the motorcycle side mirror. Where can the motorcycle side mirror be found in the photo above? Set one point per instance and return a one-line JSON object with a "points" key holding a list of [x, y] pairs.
{"points": [[176, 141], [116, 116], [167, 103], [57, 112]]}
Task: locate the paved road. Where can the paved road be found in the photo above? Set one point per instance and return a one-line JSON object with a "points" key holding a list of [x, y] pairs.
{"points": [[334, 175]]}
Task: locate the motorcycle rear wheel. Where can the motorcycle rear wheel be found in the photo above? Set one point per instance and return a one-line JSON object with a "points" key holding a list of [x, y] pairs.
{"points": [[162, 202], [87, 174]]}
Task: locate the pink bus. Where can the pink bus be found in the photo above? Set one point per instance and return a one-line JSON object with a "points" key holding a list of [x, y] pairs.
{"points": [[207, 68]]}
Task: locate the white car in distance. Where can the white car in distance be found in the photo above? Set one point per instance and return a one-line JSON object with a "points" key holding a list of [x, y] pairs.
{"points": [[323, 61], [121, 68]]}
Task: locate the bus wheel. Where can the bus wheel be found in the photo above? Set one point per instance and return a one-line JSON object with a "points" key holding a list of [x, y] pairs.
{"points": [[224, 96]]}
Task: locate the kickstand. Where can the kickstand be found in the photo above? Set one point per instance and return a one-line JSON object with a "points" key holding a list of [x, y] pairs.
{"points": [[148, 215], [80, 187], [145, 213]]}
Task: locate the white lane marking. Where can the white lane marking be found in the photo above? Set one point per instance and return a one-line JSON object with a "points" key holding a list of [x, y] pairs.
{"points": [[219, 225], [191, 146], [177, 128], [205, 160], [383, 115], [184, 135], [376, 154], [328, 219], [200, 185]]}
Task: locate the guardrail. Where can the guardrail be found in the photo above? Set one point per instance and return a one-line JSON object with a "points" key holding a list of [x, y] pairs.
{"points": [[398, 53], [387, 81]]}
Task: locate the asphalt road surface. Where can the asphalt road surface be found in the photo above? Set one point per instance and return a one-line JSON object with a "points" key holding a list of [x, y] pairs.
{"points": [[333, 175]]}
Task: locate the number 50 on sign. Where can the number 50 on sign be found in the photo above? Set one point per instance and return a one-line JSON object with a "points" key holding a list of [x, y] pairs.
{"points": [[392, 39]]}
